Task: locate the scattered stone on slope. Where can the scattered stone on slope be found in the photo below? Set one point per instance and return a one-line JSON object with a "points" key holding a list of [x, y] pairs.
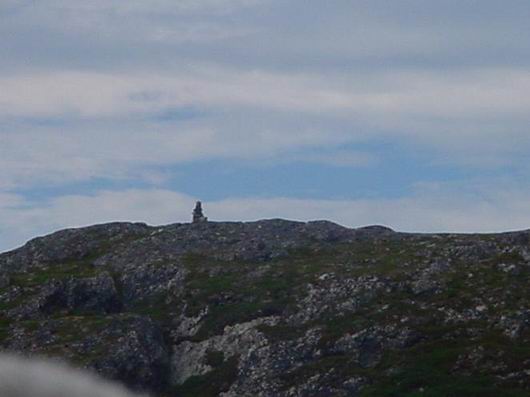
{"points": [[95, 295], [136, 355], [275, 308]]}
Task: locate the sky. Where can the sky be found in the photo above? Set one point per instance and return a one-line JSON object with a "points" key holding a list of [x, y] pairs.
{"points": [[414, 114]]}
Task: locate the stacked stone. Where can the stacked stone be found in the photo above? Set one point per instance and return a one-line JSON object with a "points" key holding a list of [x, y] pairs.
{"points": [[198, 216]]}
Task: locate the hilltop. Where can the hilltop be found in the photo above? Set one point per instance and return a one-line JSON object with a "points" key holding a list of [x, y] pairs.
{"points": [[276, 308]]}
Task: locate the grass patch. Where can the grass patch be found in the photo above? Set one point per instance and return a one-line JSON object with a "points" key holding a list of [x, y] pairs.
{"points": [[38, 277], [335, 366], [215, 358], [4, 328], [426, 371], [237, 292], [157, 308]]}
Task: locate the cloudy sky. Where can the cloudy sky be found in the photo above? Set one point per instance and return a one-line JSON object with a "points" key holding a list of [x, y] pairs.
{"points": [[410, 113]]}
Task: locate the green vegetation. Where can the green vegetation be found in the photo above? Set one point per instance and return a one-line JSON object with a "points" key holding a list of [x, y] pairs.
{"points": [[4, 328], [446, 322], [428, 370], [157, 307], [61, 271], [215, 358], [234, 294], [78, 267], [12, 303], [337, 326]]}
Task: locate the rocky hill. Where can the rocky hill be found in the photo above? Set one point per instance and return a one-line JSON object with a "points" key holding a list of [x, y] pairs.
{"points": [[276, 308]]}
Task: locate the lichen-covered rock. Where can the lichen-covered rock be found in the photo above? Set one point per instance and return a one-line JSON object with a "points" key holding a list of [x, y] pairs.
{"points": [[84, 295], [70, 244], [275, 308], [191, 358], [135, 354]]}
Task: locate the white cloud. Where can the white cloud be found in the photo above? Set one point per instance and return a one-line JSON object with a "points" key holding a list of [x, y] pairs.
{"points": [[111, 130], [421, 213], [10, 200], [490, 94], [139, 6], [436, 208], [44, 155], [179, 21], [113, 8], [339, 158], [84, 87]]}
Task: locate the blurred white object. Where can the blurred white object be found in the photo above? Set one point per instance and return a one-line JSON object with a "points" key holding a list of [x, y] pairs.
{"points": [[22, 377]]}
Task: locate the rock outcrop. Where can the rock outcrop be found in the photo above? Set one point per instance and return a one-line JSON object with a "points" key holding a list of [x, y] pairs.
{"points": [[275, 308]]}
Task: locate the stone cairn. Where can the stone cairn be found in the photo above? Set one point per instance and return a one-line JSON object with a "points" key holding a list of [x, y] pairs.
{"points": [[198, 216]]}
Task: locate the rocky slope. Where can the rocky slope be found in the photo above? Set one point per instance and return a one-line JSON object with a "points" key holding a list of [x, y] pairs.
{"points": [[276, 308]]}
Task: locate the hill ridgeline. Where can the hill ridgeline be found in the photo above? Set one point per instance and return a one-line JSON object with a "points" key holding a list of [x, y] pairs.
{"points": [[275, 308]]}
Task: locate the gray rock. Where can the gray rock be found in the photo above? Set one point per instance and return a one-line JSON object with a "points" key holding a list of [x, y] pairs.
{"points": [[85, 295], [273, 307], [137, 355]]}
